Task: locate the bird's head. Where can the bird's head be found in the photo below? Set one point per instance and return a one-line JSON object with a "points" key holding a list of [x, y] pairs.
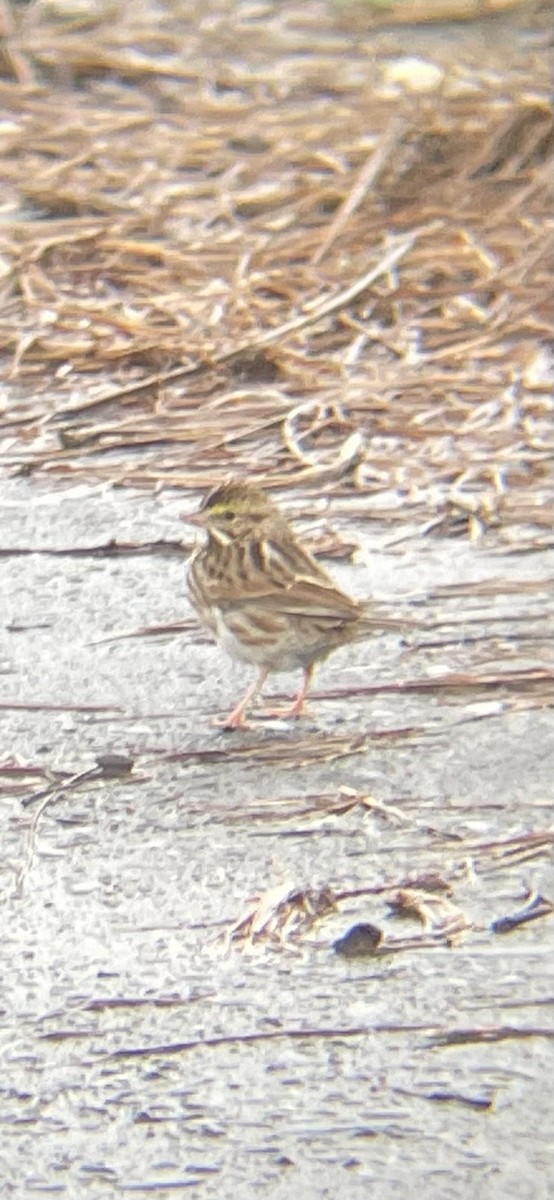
{"points": [[236, 510]]}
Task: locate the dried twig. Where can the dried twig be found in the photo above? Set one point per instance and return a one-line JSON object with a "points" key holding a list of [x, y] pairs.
{"points": [[108, 766]]}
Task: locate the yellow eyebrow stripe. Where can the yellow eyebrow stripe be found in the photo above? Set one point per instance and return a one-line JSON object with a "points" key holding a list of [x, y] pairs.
{"points": [[218, 509]]}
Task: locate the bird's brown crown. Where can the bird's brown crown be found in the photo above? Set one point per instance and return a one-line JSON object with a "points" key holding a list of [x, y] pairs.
{"points": [[237, 498]]}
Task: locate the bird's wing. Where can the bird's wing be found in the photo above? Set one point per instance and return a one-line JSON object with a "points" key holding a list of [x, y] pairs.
{"points": [[291, 581]]}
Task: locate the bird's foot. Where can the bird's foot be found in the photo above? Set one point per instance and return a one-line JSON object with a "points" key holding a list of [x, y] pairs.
{"points": [[235, 720], [296, 709], [293, 710]]}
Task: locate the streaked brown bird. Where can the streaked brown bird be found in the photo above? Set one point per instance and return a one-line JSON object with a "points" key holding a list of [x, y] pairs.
{"points": [[263, 595]]}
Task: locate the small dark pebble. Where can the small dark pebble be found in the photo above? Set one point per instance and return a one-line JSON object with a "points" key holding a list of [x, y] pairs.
{"points": [[361, 941], [114, 764]]}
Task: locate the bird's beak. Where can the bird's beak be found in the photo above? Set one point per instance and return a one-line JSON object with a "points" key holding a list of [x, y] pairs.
{"points": [[197, 518]]}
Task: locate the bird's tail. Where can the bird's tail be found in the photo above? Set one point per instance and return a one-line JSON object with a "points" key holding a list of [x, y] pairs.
{"points": [[374, 620]]}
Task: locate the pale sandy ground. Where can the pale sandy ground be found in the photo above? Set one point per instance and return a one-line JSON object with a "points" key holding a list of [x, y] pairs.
{"points": [[110, 942], [131, 881]]}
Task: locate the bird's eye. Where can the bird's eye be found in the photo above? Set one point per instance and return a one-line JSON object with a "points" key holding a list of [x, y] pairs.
{"points": [[228, 515]]}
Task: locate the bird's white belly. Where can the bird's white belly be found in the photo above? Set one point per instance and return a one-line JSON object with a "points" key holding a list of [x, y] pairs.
{"points": [[275, 654], [231, 643]]}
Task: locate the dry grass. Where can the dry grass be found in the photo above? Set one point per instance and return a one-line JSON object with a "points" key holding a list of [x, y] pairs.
{"points": [[189, 196]]}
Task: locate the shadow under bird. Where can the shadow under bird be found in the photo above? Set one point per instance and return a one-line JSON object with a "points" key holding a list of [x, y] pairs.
{"points": [[265, 598]]}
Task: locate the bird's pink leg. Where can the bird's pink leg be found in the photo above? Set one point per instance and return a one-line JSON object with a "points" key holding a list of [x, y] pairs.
{"points": [[236, 719], [297, 707]]}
